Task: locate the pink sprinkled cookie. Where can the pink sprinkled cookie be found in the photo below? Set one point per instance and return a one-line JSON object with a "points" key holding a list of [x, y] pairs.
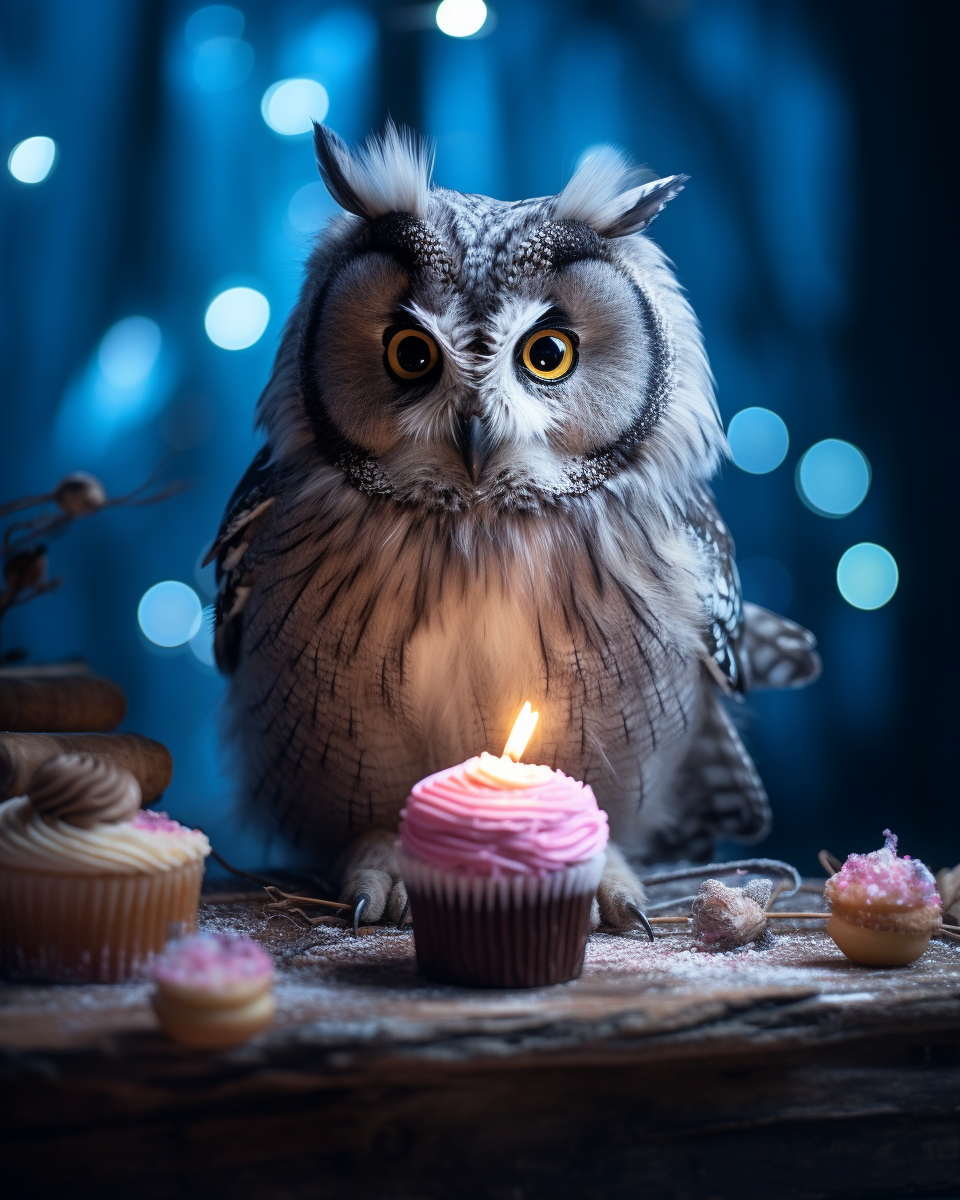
{"points": [[213, 990], [884, 909]]}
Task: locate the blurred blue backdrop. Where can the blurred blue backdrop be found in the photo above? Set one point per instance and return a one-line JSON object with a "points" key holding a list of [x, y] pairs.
{"points": [[179, 174]]}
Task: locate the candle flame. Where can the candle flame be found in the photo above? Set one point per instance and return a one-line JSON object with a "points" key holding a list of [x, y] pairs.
{"points": [[520, 733]]}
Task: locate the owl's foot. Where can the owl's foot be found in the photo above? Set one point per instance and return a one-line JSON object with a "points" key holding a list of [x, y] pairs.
{"points": [[620, 898], [370, 879]]}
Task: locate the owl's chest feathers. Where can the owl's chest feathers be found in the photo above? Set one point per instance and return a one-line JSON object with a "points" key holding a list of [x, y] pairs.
{"points": [[433, 637]]}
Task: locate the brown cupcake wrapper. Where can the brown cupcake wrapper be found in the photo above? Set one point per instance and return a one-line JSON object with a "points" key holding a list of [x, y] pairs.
{"points": [[93, 928], [510, 931]]}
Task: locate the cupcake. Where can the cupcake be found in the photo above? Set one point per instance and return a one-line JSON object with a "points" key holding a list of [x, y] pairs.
{"points": [[501, 861], [883, 909], [91, 887], [213, 990]]}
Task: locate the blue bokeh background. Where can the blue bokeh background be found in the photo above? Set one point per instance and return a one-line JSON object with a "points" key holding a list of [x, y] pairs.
{"points": [[800, 124]]}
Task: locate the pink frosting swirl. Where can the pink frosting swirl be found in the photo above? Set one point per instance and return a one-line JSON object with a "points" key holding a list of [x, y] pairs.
{"points": [[491, 817]]}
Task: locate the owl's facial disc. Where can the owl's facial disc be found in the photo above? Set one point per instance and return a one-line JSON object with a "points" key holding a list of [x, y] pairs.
{"points": [[460, 395]]}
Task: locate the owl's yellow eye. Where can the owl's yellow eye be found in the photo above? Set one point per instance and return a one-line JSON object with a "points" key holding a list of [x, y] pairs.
{"points": [[549, 354], [411, 354]]}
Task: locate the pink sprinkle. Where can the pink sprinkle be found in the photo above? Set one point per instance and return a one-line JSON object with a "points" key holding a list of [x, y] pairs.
{"points": [[157, 822], [212, 960], [883, 878]]}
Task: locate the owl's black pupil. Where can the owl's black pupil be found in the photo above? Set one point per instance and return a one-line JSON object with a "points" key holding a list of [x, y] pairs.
{"points": [[413, 354], [547, 353]]}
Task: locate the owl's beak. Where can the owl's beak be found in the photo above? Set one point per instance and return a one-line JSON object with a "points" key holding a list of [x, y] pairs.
{"points": [[472, 444]]}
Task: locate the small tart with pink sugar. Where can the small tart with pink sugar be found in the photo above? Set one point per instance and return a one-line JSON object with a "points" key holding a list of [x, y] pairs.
{"points": [[883, 909], [213, 990]]}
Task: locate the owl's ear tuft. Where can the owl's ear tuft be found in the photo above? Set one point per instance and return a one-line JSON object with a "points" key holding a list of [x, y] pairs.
{"points": [[390, 174], [644, 203], [600, 194]]}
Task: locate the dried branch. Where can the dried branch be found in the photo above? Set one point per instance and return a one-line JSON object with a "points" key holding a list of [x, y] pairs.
{"points": [[23, 549]]}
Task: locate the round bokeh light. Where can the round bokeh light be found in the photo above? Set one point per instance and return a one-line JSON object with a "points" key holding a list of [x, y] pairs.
{"points": [[31, 160], [129, 351], [216, 20], [291, 106], [170, 613], [867, 576], [309, 207], [237, 318], [833, 478], [758, 440], [222, 63], [461, 18]]}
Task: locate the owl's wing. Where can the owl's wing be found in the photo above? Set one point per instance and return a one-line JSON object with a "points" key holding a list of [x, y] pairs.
{"points": [[746, 646], [779, 652], [254, 494], [719, 790], [720, 592]]}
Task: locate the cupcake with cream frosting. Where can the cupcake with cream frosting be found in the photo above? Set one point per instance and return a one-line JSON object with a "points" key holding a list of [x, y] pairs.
{"points": [[213, 990], [91, 886], [883, 909], [501, 861]]}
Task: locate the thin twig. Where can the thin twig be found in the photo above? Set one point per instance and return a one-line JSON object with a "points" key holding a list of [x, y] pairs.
{"points": [[676, 902], [780, 916], [287, 898], [261, 879], [758, 866], [13, 506], [830, 863]]}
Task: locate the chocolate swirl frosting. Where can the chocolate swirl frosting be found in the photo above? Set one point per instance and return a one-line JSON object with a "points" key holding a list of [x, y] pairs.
{"points": [[84, 791]]}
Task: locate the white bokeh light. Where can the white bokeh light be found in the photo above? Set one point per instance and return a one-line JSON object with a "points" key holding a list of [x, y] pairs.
{"points": [[222, 63], [309, 207], [461, 18], [170, 613], [292, 105], [216, 20], [129, 351], [758, 440], [867, 576], [237, 318], [31, 160]]}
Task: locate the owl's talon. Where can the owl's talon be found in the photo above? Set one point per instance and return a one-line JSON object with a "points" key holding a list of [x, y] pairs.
{"points": [[362, 901], [641, 918], [403, 915]]}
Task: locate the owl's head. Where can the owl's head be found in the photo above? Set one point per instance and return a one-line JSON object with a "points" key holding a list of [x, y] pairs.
{"points": [[473, 355]]}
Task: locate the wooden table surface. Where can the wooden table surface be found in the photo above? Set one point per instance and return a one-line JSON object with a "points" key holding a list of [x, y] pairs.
{"points": [[663, 1071]]}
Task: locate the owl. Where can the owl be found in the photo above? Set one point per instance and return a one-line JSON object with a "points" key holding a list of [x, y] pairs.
{"points": [[489, 434]]}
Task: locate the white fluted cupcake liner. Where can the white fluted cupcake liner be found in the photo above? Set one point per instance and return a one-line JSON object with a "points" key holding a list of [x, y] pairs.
{"points": [[93, 928]]}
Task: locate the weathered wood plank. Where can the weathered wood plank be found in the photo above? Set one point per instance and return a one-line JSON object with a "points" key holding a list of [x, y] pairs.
{"points": [[789, 1072]]}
